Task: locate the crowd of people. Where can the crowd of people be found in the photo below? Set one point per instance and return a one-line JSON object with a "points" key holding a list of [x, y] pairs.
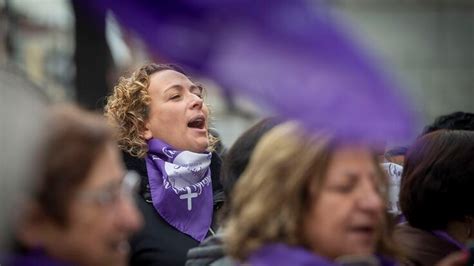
{"points": [[149, 183]]}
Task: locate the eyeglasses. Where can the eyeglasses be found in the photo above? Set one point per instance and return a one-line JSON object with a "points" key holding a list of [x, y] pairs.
{"points": [[112, 193]]}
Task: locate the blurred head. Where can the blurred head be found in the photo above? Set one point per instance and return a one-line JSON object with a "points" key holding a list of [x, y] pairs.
{"points": [[308, 190], [159, 101], [238, 156], [437, 179], [81, 210], [453, 121], [396, 155]]}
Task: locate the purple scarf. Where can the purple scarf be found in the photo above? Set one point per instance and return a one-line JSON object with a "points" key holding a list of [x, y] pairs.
{"points": [[181, 190], [282, 254], [35, 257], [445, 236]]}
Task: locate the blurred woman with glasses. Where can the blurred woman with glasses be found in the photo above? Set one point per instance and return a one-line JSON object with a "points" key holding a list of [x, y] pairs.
{"points": [[81, 211]]}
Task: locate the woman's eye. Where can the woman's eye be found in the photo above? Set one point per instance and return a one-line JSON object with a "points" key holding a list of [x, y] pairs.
{"points": [[346, 188], [174, 97], [198, 91]]}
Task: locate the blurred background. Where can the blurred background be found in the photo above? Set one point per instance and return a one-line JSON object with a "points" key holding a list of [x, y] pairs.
{"points": [[427, 45]]}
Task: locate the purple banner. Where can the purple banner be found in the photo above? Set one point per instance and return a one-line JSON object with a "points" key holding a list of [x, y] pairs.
{"points": [[290, 56]]}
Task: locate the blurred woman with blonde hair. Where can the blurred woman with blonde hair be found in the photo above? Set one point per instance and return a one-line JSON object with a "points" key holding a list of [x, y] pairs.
{"points": [[308, 200]]}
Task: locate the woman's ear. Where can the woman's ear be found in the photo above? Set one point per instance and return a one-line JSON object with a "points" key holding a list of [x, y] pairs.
{"points": [[147, 134]]}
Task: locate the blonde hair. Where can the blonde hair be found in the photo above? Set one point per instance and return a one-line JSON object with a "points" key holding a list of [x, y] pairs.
{"points": [[127, 109], [272, 195]]}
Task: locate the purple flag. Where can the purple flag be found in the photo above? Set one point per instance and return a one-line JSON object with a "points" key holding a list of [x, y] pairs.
{"points": [[181, 189], [291, 56]]}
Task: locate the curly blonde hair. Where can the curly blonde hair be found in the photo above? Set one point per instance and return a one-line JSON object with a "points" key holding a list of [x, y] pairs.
{"points": [[285, 163], [127, 108]]}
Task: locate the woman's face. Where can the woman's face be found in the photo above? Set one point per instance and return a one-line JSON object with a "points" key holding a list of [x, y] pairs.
{"points": [[101, 218], [345, 217], [177, 114]]}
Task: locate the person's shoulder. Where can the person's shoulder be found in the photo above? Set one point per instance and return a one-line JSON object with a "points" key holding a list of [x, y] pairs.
{"points": [[209, 251], [421, 247], [216, 164], [134, 163]]}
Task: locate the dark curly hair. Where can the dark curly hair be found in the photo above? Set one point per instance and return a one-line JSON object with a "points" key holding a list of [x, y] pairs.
{"points": [[453, 121]]}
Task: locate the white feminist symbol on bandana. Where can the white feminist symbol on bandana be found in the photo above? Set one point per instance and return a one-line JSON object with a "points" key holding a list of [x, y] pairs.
{"points": [[189, 196]]}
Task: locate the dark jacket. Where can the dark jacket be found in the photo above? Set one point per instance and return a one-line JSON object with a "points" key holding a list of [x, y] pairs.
{"points": [[421, 247], [209, 253], [158, 243]]}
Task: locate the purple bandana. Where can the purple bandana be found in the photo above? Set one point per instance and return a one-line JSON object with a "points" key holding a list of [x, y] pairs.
{"points": [[180, 185], [283, 254]]}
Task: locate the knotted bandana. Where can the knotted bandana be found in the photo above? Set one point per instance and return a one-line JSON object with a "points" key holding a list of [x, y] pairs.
{"points": [[181, 189]]}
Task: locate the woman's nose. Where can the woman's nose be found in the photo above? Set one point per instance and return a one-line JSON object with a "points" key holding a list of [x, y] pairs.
{"points": [[371, 200], [129, 219], [196, 102]]}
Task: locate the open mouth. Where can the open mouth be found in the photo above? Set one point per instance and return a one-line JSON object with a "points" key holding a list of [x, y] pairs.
{"points": [[197, 122], [363, 229]]}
